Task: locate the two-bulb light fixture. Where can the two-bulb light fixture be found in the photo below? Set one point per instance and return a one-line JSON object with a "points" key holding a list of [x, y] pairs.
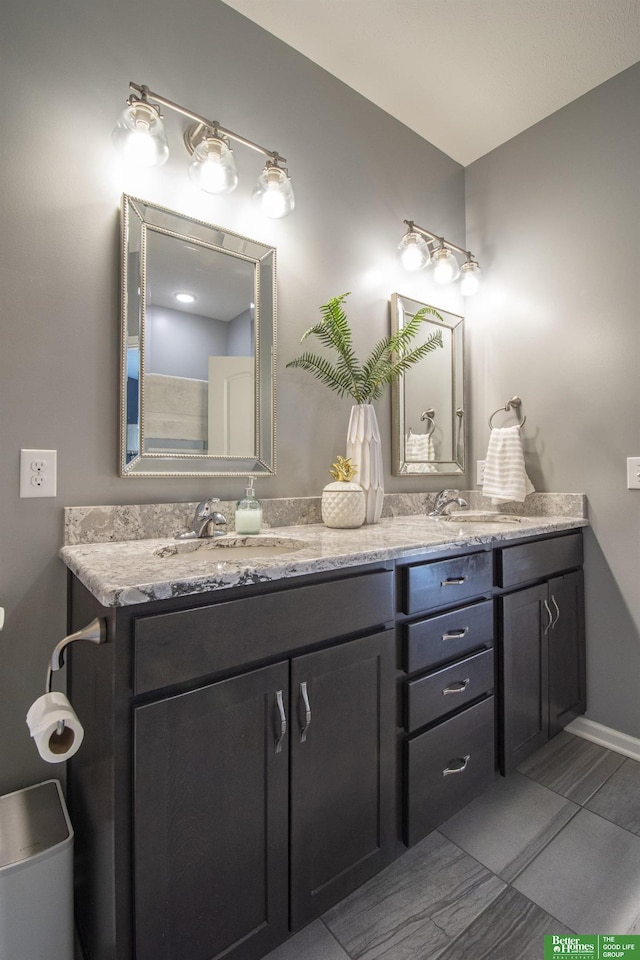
{"points": [[419, 248], [139, 134]]}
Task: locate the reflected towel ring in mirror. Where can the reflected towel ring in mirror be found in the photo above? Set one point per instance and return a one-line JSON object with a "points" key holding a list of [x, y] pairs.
{"points": [[515, 403], [430, 416]]}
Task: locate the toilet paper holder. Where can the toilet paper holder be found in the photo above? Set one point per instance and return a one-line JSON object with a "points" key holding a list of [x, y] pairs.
{"points": [[95, 632]]}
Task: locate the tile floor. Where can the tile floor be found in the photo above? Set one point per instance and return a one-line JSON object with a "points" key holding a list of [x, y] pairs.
{"points": [[553, 848]]}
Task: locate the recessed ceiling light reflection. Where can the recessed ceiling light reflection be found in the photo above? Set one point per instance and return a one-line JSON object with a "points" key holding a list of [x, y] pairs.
{"points": [[185, 297]]}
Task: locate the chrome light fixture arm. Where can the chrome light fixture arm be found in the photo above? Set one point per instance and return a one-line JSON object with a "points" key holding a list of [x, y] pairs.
{"points": [[202, 125]]}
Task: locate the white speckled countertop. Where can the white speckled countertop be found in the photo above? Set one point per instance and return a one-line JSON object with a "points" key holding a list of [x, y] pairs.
{"points": [[138, 571]]}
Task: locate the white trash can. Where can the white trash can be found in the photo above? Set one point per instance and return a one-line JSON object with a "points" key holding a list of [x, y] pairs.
{"points": [[36, 875]]}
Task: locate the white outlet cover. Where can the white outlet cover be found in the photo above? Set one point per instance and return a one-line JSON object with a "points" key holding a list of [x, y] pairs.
{"points": [[633, 473], [38, 473]]}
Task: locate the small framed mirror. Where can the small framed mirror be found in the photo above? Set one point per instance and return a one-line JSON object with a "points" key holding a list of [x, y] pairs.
{"points": [[427, 402], [198, 339]]}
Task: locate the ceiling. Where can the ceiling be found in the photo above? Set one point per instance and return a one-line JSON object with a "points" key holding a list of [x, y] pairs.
{"points": [[467, 75]]}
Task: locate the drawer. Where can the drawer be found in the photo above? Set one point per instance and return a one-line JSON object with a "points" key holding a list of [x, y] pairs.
{"points": [[439, 693], [176, 647], [446, 582], [445, 637], [541, 558], [447, 767]]}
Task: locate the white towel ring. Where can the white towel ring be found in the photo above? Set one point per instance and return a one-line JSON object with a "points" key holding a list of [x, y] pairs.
{"points": [[515, 403], [430, 416]]}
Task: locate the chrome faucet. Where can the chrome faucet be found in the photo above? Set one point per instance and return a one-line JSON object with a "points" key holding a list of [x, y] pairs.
{"points": [[205, 522], [444, 500]]}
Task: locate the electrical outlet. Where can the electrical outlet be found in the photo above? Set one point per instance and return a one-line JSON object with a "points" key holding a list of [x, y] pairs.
{"points": [[479, 472], [633, 473], [38, 470]]}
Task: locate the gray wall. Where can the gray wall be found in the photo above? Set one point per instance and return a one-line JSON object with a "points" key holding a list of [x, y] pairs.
{"points": [[179, 343], [553, 217], [357, 173]]}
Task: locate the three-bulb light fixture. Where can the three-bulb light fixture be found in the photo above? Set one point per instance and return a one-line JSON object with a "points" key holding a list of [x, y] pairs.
{"points": [[139, 134], [420, 248]]}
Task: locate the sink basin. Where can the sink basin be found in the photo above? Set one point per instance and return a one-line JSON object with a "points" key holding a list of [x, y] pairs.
{"points": [[232, 547]]}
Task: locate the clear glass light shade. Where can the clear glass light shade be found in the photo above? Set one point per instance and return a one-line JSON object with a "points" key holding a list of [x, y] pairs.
{"points": [[139, 135], [471, 276], [414, 251], [273, 193], [445, 266], [213, 167]]}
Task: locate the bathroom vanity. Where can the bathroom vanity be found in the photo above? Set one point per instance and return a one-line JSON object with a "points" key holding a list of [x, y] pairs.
{"points": [[262, 736]]}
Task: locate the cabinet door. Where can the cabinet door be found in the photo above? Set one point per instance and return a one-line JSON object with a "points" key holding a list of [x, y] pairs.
{"points": [[567, 681], [524, 703], [342, 771], [211, 783]]}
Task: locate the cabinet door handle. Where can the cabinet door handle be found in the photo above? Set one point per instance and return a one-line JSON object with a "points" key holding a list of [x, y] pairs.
{"points": [[304, 699], [456, 634], [553, 601], [283, 722], [458, 687], [452, 581], [550, 615], [456, 766]]}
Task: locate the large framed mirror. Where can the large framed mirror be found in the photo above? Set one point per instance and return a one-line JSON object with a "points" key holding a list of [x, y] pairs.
{"points": [[427, 402], [198, 344]]}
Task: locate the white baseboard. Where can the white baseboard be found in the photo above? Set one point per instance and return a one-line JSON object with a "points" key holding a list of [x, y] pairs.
{"points": [[605, 736]]}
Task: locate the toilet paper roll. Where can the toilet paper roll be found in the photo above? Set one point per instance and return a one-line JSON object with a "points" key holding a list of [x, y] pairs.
{"points": [[55, 727]]}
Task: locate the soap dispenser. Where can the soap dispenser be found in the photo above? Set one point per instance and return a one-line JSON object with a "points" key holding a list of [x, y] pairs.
{"points": [[249, 511]]}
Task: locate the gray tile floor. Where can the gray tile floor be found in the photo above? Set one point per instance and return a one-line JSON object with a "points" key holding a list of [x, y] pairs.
{"points": [[554, 848]]}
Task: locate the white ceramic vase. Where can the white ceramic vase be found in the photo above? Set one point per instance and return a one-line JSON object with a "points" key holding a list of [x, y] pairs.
{"points": [[364, 449], [343, 504]]}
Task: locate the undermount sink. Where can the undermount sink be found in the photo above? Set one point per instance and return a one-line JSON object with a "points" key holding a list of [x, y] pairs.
{"points": [[477, 516], [232, 547]]}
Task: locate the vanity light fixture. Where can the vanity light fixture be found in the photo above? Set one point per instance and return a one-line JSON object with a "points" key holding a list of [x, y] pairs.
{"points": [[139, 134], [420, 248]]}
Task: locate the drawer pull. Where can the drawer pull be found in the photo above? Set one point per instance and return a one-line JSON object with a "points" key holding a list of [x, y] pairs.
{"points": [[304, 699], [456, 634], [458, 687], [453, 581], [456, 766], [550, 615], [554, 602], [283, 721]]}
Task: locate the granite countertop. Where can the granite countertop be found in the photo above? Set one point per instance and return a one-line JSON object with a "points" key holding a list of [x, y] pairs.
{"points": [[138, 571]]}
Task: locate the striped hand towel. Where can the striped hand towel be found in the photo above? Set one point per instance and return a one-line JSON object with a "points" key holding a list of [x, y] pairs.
{"points": [[419, 451], [505, 477]]}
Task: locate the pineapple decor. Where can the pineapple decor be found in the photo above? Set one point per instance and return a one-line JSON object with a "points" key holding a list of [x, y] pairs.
{"points": [[343, 501]]}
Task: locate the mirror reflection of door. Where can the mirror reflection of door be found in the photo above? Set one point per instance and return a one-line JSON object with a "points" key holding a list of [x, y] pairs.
{"points": [[231, 406], [196, 330]]}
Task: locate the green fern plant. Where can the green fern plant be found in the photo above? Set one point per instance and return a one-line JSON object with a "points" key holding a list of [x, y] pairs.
{"points": [[390, 358]]}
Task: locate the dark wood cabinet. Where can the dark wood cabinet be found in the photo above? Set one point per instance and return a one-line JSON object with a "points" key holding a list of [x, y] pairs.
{"points": [[449, 708], [244, 744], [253, 754], [567, 667], [342, 771], [542, 657], [524, 661], [211, 820]]}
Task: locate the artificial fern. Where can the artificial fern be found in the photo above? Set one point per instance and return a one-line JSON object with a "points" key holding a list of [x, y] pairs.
{"points": [[389, 359]]}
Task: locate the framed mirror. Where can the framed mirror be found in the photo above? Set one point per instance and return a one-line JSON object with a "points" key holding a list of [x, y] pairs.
{"points": [[198, 339], [427, 402]]}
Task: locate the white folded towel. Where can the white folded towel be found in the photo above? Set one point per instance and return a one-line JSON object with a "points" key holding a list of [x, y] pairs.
{"points": [[419, 452], [505, 476]]}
